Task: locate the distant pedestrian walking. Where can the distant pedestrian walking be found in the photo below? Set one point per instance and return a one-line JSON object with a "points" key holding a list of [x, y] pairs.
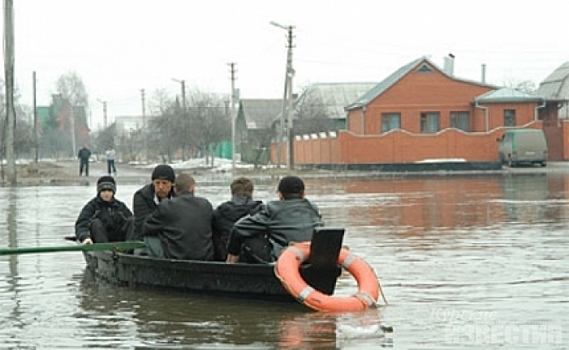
{"points": [[84, 155], [111, 161]]}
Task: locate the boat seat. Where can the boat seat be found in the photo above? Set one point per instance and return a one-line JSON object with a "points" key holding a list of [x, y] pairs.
{"points": [[321, 270]]}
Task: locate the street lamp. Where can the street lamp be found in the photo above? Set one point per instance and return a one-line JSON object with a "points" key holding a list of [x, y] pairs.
{"points": [[287, 100]]}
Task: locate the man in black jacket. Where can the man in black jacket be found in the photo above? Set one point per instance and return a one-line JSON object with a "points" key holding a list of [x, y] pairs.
{"points": [[181, 226], [84, 155], [146, 199], [104, 218], [227, 213], [261, 237]]}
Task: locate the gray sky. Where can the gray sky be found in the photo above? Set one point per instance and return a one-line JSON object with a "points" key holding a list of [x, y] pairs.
{"points": [[119, 47]]}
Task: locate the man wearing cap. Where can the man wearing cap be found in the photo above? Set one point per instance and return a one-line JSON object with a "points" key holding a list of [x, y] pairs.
{"points": [[146, 199], [104, 218], [260, 238], [181, 227]]}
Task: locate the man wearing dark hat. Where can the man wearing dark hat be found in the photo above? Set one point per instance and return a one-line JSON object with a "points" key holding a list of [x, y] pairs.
{"points": [[104, 218], [147, 198], [260, 238]]}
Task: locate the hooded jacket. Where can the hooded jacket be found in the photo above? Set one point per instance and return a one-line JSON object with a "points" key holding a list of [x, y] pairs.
{"points": [[224, 216]]}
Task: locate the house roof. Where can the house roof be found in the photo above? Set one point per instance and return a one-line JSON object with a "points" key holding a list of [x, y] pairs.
{"points": [[556, 88], [260, 113], [556, 85], [507, 95], [335, 96], [392, 79]]}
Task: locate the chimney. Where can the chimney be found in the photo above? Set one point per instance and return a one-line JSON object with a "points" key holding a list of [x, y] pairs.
{"points": [[483, 73], [449, 64]]}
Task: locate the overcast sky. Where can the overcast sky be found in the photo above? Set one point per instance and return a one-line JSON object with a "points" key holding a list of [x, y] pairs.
{"points": [[119, 47]]}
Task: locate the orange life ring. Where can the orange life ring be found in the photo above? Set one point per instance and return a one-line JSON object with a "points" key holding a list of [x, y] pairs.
{"points": [[287, 269]]}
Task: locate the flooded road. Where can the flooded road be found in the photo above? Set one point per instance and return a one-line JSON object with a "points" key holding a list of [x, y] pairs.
{"points": [[464, 261]]}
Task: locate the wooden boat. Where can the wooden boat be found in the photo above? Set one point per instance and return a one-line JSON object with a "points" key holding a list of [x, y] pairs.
{"points": [[250, 281]]}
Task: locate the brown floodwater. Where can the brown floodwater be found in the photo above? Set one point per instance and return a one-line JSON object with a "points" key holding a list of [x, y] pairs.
{"points": [[464, 262]]}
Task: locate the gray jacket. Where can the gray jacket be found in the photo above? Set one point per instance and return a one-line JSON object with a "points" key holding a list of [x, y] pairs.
{"points": [[285, 221]]}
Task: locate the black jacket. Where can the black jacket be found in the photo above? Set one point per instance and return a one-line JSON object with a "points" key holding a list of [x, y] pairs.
{"points": [[224, 216], [84, 154], [113, 214], [283, 221], [143, 205], [183, 225]]}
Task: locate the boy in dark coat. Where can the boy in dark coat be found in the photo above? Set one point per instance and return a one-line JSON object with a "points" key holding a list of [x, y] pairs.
{"points": [[104, 218], [227, 213], [181, 227]]}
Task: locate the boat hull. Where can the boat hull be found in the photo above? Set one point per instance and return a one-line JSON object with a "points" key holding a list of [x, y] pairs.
{"points": [[249, 281]]}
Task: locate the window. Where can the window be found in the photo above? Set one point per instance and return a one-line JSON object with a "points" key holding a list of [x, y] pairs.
{"points": [[390, 121], [460, 120], [425, 69], [509, 117], [430, 122]]}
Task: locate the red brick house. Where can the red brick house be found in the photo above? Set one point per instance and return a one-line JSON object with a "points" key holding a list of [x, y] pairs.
{"points": [[422, 113]]}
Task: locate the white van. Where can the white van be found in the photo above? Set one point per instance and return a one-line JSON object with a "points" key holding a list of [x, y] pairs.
{"points": [[519, 146]]}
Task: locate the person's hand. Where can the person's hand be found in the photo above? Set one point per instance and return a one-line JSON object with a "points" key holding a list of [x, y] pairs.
{"points": [[87, 241], [232, 259]]}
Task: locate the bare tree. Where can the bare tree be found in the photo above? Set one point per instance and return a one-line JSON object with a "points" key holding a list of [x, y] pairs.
{"points": [[70, 87], [104, 139], [183, 132], [311, 114], [209, 123], [526, 86], [160, 140], [24, 140]]}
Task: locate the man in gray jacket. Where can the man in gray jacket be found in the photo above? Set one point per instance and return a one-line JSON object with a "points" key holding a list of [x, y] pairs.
{"points": [[260, 238]]}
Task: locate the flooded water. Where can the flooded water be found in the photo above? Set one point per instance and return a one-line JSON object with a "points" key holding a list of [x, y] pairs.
{"points": [[464, 262]]}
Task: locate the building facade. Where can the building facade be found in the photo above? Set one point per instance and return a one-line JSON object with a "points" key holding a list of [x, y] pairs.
{"points": [[422, 113]]}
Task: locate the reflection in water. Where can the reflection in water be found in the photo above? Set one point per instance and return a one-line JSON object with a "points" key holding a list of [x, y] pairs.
{"points": [[423, 204], [439, 245], [148, 315]]}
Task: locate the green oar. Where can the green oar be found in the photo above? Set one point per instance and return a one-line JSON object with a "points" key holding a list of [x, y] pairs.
{"points": [[73, 248]]}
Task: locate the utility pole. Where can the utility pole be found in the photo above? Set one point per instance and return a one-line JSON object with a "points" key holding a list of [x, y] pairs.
{"points": [[35, 120], [289, 121], [184, 105], [186, 120], [287, 102], [9, 58], [233, 116], [104, 112], [183, 83], [72, 126], [144, 125]]}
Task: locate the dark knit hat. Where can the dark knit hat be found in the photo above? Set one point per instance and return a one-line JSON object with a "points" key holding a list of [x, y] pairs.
{"points": [[106, 183], [291, 184], [165, 172]]}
